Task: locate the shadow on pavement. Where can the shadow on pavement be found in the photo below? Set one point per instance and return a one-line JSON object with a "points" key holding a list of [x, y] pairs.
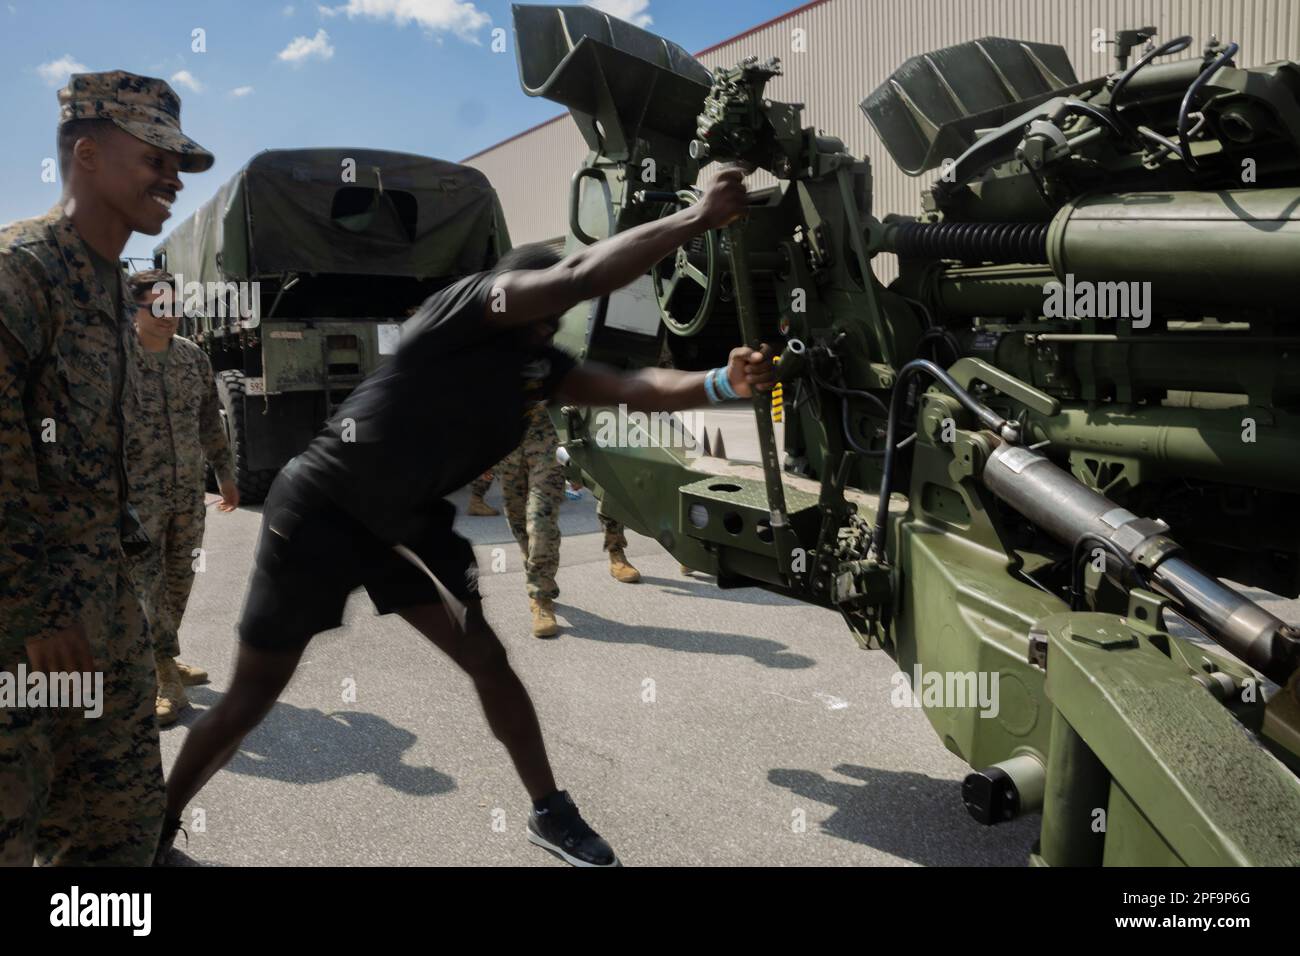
{"points": [[700, 584], [909, 815], [298, 745], [588, 626]]}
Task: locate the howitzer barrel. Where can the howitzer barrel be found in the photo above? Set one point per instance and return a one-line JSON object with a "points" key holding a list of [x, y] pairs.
{"points": [[1068, 510], [1231, 248], [1236, 246]]}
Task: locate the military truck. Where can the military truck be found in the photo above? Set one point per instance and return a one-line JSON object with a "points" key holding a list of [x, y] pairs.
{"points": [[296, 276]]}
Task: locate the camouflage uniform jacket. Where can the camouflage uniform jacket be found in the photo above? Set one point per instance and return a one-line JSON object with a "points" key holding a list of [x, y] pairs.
{"points": [[172, 426], [63, 368]]}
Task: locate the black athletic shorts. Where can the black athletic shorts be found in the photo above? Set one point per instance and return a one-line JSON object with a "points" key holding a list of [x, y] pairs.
{"points": [[311, 555]]}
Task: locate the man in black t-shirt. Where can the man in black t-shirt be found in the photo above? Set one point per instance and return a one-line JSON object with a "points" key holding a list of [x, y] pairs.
{"points": [[364, 505]]}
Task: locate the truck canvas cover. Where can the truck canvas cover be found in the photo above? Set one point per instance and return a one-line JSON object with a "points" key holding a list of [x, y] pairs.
{"points": [[342, 211]]}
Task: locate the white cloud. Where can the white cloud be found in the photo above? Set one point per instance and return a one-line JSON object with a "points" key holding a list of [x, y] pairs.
{"points": [[459, 16], [301, 48], [241, 91], [633, 11], [56, 72], [288, 11], [186, 79]]}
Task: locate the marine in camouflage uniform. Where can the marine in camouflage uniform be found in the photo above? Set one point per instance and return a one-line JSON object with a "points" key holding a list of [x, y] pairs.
{"points": [[76, 790], [532, 484], [616, 545], [172, 427], [615, 540]]}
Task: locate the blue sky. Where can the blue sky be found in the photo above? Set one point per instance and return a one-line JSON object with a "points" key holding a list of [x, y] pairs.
{"points": [[280, 74]]}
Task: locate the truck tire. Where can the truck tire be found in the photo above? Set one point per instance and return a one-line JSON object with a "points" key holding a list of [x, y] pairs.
{"points": [[253, 484]]}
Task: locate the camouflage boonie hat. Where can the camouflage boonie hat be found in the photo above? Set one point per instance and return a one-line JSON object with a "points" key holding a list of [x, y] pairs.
{"points": [[143, 106]]}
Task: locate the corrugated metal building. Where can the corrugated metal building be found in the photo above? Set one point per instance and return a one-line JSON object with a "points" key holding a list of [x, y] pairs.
{"points": [[849, 47]]}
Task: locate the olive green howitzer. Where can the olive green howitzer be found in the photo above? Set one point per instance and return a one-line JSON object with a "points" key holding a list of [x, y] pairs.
{"points": [[1036, 458]]}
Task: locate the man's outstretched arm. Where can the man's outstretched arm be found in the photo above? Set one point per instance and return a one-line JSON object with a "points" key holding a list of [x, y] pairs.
{"points": [[526, 295], [662, 389]]}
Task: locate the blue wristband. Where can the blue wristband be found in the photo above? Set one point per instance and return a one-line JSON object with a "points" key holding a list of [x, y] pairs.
{"points": [[718, 386], [708, 388], [723, 385]]}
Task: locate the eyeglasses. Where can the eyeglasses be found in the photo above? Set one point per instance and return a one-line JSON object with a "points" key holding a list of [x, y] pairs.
{"points": [[148, 307]]}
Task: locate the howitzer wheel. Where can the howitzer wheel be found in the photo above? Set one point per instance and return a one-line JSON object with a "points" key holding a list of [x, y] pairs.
{"points": [[253, 484], [687, 283]]}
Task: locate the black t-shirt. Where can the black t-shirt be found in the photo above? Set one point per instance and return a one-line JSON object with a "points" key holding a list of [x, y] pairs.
{"points": [[448, 406]]}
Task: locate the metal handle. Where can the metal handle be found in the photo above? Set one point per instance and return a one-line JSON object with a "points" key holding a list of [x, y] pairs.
{"points": [[575, 195], [747, 313], [970, 369]]}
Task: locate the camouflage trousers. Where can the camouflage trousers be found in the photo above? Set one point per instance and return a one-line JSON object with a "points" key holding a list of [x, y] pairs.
{"points": [[614, 537], [480, 485], [79, 790], [532, 484], [164, 575]]}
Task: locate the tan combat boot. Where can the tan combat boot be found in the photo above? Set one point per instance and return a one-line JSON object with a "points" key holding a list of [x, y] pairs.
{"points": [[191, 675], [480, 508], [171, 698], [544, 624], [620, 570]]}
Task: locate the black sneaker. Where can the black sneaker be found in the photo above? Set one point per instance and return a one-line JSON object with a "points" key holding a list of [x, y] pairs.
{"points": [[561, 829], [171, 827]]}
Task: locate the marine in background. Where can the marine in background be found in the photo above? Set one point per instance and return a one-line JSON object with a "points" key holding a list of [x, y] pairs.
{"points": [[173, 431]]}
